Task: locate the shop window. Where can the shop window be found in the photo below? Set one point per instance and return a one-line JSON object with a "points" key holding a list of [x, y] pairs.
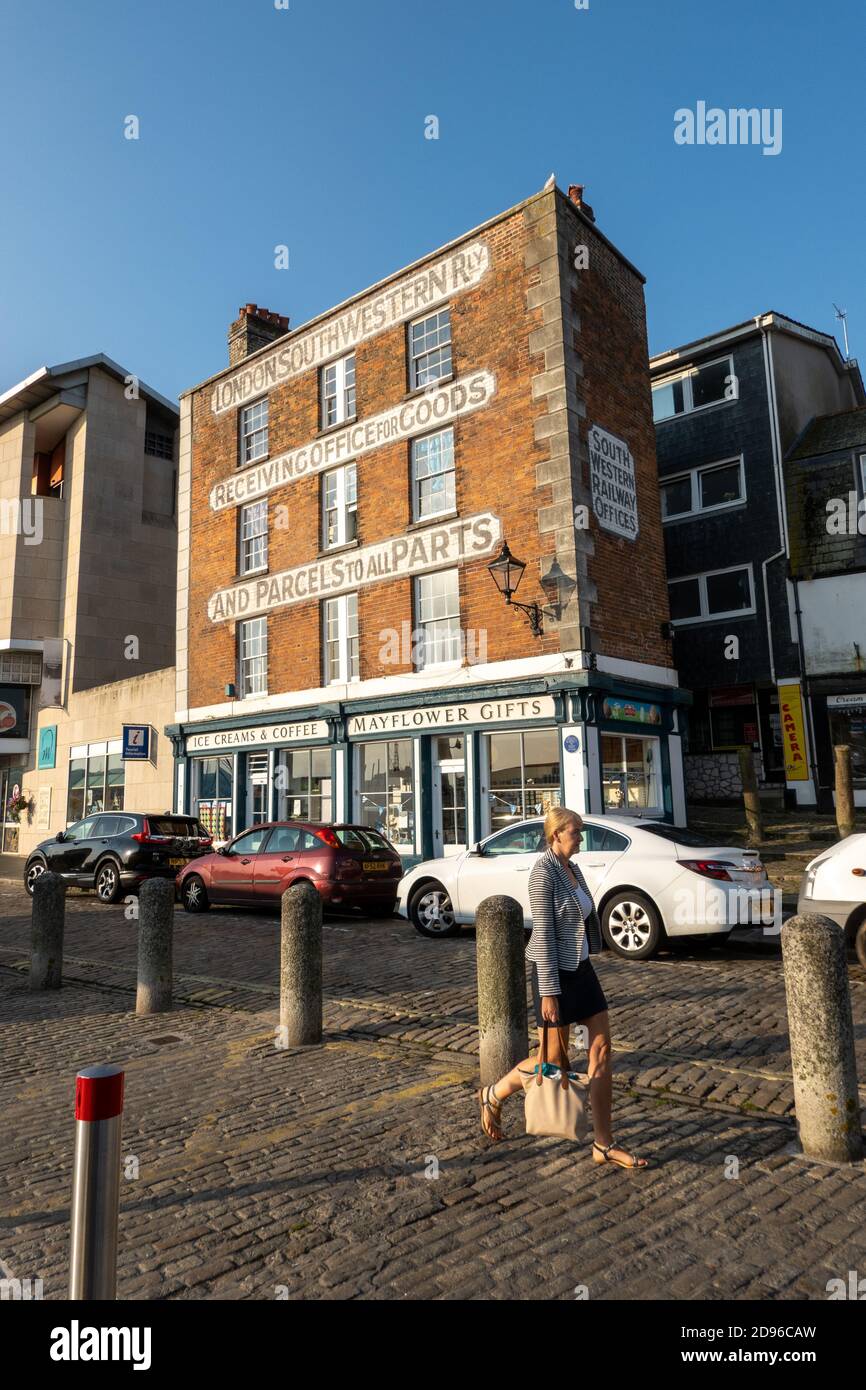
{"points": [[433, 487], [430, 349], [340, 638], [304, 781], [253, 658], [524, 775], [437, 604], [340, 506], [212, 780], [338, 391], [253, 538], [96, 779], [254, 432], [14, 712], [386, 790], [849, 726], [631, 773], [693, 390]]}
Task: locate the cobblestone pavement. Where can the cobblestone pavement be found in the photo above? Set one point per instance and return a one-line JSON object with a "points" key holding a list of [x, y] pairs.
{"points": [[309, 1173]]}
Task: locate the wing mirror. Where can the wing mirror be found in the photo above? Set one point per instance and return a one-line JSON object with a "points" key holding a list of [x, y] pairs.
{"points": [[476, 850], [60, 836]]}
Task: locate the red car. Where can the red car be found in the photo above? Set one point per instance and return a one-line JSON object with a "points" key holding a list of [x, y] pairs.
{"points": [[350, 865]]}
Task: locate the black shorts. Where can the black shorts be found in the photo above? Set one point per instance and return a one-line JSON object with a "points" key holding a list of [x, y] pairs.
{"points": [[581, 996]]}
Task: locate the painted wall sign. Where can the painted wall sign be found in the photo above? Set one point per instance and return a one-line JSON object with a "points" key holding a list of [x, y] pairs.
{"points": [[433, 408], [433, 548], [136, 743], [612, 481], [404, 299], [47, 746], [632, 711], [43, 808], [445, 716], [258, 736], [793, 733]]}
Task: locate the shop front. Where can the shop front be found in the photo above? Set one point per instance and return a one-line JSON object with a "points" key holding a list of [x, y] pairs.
{"points": [[839, 715], [436, 777]]}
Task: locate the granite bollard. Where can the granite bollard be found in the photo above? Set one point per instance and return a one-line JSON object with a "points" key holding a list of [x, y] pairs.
{"points": [[46, 936], [499, 950], [155, 934], [301, 966], [826, 1098]]}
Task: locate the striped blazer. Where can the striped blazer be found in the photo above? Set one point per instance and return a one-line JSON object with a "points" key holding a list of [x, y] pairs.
{"points": [[558, 925]]}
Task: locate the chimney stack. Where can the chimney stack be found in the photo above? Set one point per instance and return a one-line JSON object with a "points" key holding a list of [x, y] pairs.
{"points": [[252, 329], [575, 193]]}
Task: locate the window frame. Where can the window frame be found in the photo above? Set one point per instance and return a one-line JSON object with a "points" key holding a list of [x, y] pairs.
{"points": [[694, 475], [705, 616], [413, 359], [243, 568], [342, 508], [244, 434], [414, 481], [243, 693], [420, 646], [348, 656], [341, 392], [686, 376], [640, 812]]}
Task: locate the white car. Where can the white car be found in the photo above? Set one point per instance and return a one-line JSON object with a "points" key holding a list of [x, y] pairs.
{"points": [[834, 884], [649, 881]]}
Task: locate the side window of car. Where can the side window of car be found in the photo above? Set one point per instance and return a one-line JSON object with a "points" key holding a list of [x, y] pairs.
{"points": [[106, 827], [284, 840], [614, 843], [83, 830], [521, 839], [250, 843], [308, 841], [593, 837]]}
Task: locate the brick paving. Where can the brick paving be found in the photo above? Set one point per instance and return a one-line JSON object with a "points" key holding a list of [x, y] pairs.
{"points": [[310, 1172]]}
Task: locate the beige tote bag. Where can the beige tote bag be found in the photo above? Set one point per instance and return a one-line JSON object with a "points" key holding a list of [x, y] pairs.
{"points": [[556, 1105]]}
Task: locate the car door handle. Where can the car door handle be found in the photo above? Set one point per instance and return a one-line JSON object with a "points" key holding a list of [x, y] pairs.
{"points": [[288, 858], [245, 861], [594, 863], [523, 871]]}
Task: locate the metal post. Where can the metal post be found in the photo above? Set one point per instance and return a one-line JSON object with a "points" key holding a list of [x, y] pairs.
{"points": [[826, 1098], [46, 935], [96, 1183], [155, 928], [301, 966], [499, 948]]}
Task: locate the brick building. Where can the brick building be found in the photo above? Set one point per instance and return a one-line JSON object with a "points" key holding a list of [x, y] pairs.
{"points": [[343, 649]]}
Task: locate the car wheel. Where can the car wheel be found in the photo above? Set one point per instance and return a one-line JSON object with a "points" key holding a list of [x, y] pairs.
{"points": [[107, 881], [631, 925], [431, 911], [860, 943], [193, 894], [35, 869]]}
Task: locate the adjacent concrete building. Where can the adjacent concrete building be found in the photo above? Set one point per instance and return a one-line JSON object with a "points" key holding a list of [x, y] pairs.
{"points": [[88, 557]]}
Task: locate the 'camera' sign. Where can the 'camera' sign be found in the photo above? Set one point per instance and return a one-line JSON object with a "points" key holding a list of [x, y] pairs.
{"points": [[612, 481]]}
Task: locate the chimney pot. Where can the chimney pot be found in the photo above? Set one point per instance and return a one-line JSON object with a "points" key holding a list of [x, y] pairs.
{"points": [[254, 328]]}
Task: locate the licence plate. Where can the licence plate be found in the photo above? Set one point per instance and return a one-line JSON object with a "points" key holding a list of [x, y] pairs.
{"points": [[176, 863], [374, 866]]}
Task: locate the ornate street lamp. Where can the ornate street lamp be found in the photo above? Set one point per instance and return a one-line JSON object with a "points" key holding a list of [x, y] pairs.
{"points": [[507, 573]]}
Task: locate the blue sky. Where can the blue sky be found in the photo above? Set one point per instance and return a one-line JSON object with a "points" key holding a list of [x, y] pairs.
{"points": [[305, 127]]}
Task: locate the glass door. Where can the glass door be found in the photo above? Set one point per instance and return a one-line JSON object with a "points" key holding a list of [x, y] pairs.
{"points": [[449, 795]]}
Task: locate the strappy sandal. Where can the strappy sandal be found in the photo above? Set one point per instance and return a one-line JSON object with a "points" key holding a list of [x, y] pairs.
{"points": [[494, 1107], [606, 1158]]}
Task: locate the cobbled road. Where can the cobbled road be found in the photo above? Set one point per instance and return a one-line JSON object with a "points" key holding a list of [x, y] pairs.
{"points": [[357, 1168]]}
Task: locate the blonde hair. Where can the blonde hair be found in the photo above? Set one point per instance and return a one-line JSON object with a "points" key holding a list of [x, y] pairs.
{"points": [[557, 819]]}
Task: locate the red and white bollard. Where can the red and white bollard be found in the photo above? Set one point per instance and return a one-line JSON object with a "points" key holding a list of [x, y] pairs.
{"points": [[96, 1182]]}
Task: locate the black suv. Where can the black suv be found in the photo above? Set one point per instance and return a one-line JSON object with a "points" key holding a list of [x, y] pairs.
{"points": [[113, 852]]}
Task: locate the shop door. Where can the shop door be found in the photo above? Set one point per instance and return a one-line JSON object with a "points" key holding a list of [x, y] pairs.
{"points": [[449, 795], [258, 788]]}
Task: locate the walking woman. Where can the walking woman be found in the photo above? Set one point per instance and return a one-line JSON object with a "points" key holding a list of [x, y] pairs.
{"points": [[565, 987]]}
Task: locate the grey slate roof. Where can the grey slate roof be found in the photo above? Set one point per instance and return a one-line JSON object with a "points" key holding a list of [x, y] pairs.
{"points": [[827, 434]]}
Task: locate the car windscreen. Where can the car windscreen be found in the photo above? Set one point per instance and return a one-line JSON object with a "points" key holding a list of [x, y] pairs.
{"points": [[354, 838], [179, 826], [693, 839]]}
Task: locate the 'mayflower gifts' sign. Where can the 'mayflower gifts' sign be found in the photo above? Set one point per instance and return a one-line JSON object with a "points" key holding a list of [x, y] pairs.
{"points": [[612, 481], [435, 547], [404, 299]]}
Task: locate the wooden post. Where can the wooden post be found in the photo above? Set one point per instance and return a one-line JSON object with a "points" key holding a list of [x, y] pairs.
{"points": [[751, 799]]}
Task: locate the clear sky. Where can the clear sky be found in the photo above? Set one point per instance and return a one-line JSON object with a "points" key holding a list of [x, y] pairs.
{"points": [[305, 127]]}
